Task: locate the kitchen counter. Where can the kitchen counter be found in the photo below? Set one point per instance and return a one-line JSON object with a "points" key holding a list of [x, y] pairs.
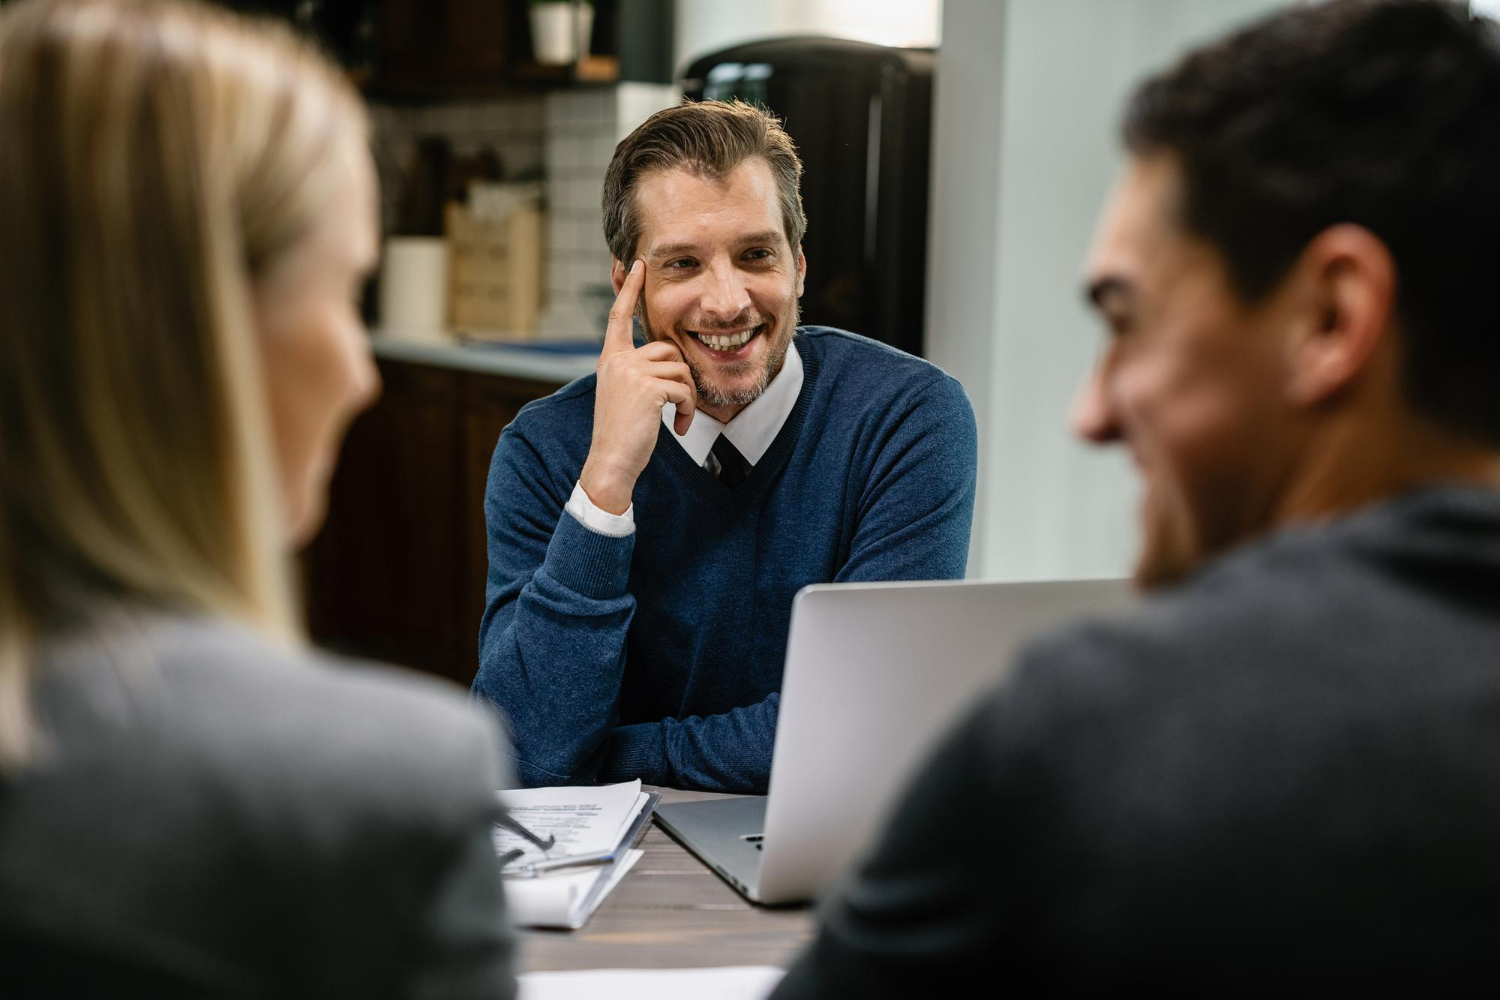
{"points": [[546, 362]]}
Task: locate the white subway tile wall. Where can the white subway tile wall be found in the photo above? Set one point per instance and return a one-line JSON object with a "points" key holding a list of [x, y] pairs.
{"points": [[582, 128]]}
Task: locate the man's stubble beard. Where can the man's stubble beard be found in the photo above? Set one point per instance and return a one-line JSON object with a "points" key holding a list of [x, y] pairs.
{"points": [[1176, 540], [709, 395], [1162, 561]]}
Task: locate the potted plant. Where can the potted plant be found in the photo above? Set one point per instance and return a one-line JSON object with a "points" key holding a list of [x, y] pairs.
{"points": [[560, 30]]}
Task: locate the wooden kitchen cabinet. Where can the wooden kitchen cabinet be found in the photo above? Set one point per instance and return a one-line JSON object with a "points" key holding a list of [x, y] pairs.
{"points": [[397, 572]]}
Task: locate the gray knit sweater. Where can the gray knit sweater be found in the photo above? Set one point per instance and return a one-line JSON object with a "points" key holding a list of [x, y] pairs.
{"points": [[1285, 771], [212, 816]]}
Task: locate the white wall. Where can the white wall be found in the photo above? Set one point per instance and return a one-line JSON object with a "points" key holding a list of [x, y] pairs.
{"points": [[705, 26], [1028, 97]]}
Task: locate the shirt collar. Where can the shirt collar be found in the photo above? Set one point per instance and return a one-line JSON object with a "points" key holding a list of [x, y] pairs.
{"points": [[754, 428]]}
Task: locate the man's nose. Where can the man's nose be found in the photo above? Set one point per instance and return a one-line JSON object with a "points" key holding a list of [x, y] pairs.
{"points": [[724, 294], [1093, 417]]}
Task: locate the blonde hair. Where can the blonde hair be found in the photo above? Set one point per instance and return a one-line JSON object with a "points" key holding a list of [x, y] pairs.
{"points": [[155, 159]]}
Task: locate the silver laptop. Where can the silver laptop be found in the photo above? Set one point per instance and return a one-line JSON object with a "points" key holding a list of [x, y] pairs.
{"points": [[875, 673]]}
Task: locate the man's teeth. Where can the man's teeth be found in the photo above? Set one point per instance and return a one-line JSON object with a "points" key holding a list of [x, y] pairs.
{"points": [[728, 342]]}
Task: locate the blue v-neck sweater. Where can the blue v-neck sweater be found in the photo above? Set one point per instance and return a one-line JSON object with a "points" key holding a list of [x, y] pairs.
{"points": [[659, 655]]}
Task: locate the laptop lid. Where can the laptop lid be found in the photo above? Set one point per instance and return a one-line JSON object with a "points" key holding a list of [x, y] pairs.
{"points": [[875, 673]]}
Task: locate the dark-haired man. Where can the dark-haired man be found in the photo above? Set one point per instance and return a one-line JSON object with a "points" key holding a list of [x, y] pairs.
{"points": [[1284, 768], [649, 526]]}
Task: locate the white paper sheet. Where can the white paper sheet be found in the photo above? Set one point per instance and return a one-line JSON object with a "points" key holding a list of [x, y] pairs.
{"points": [[561, 900], [749, 982], [584, 820]]}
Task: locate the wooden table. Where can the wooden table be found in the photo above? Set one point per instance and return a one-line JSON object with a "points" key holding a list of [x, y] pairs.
{"points": [[671, 911]]}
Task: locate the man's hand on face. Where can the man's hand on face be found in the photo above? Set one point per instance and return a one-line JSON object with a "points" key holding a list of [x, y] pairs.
{"points": [[634, 384]]}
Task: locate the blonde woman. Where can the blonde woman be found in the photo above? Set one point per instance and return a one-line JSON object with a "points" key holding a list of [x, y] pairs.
{"points": [[190, 802]]}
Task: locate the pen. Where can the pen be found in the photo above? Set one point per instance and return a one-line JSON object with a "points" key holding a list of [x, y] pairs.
{"points": [[553, 864]]}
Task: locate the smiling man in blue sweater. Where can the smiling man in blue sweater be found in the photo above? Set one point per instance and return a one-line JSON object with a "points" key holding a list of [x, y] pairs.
{"points": [[648, 526]]}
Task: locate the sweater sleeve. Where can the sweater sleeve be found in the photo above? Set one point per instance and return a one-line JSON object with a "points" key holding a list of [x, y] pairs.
{"points": [[557, 609], [917, 503], [729, 752]]}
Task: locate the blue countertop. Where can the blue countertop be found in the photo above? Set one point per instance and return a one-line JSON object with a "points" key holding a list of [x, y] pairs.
{"points": [[546, 361]]}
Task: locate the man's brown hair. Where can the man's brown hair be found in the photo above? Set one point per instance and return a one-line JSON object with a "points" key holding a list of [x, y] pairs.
{"points": [[706, 137]]}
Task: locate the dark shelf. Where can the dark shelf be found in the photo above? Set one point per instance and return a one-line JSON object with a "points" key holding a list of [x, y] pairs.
{"points": [[589, 69], [433, 50]]}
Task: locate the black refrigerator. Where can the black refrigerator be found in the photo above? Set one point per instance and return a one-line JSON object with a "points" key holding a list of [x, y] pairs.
{"points": [[861, 116]]}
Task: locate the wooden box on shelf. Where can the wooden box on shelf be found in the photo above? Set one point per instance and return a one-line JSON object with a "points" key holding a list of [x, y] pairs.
{"points": [[495, 273]]}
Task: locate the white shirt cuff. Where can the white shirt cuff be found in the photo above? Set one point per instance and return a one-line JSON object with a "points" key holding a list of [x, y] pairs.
{"points": [[599, 521]]}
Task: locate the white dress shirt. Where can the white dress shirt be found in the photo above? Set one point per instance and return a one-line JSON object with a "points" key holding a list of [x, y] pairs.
{"points": [[751, 431]]}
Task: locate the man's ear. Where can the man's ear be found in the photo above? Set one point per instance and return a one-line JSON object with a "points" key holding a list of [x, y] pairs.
{"points": [[1351, 280], [618, 272], [801, 270]]}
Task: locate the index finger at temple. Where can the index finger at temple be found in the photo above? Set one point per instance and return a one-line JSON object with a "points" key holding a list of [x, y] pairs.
{"points": [[619, 336]]}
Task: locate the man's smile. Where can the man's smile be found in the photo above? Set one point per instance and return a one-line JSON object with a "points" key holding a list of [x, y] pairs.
{"points": [[728, 344]]}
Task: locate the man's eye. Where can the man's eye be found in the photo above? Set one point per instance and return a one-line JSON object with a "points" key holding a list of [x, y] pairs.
{"points": [[760, 253], [682, 264]]}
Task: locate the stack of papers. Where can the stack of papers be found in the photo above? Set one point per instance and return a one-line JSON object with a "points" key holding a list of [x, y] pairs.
{"points": [[736, 983], [606, 819]]}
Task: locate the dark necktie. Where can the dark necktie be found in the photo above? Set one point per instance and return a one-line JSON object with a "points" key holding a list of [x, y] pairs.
{"points": [[732, 465]]}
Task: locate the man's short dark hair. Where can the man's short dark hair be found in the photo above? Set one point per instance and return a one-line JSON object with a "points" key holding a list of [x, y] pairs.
{"points": [[709, 138], [1381, 113]]}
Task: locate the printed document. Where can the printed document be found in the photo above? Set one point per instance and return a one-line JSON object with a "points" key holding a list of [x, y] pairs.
{"points": [[584, 821]]}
